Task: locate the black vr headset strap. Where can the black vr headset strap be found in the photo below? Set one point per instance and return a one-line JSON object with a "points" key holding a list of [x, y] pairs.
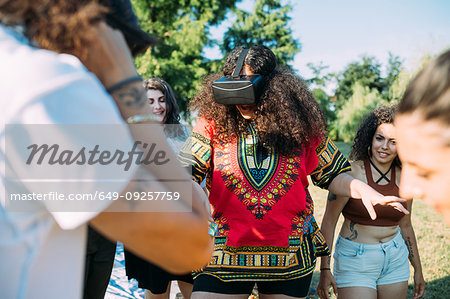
{"points": [[239, 63]]}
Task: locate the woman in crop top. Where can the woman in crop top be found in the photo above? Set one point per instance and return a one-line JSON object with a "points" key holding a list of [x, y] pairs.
{"points": [[371, 256]]}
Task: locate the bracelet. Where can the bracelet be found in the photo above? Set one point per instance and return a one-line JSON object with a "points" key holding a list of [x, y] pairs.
{"points": [[138, 118], [323, 269], [122, 83]]}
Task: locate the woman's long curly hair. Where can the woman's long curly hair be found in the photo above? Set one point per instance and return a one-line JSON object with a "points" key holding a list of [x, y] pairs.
{"points": [[287, 116], [58, 25], [363, 140]]}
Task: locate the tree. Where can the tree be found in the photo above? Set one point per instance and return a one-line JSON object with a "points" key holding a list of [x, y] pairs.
{"points": [[361, 87], [399, 85], [367, 73], [394, 68], [267, 25], [362, 101], [318, 83], [183, 28], [319, 79]]}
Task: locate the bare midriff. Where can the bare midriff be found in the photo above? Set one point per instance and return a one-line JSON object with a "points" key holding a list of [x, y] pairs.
{"points": [[367, 234]]}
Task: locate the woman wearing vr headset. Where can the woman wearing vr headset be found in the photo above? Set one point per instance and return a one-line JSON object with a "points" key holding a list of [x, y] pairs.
{"points": [[256, 158]]}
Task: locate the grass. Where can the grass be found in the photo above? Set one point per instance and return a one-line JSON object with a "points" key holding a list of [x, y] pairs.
{"points": [[433, 237]]}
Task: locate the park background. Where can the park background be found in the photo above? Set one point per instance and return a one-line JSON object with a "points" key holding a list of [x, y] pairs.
{"points": [[353, 54]]}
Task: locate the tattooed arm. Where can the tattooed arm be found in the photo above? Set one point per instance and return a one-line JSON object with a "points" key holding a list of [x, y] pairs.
{"points": [[179, 242], [411, 243], [335, 204]]}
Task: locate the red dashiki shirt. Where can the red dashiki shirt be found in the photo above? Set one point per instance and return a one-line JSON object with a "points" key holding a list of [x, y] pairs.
{"points": [[264, 212]]}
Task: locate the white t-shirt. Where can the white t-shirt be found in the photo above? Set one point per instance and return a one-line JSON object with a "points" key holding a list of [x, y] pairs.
{"points": [[42, 252]]}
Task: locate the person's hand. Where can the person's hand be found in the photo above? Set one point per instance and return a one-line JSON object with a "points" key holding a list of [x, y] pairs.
{"points": [[326, 279], [392, 201], [346, 185], [371, 197], [419, 285], [109, 56]]}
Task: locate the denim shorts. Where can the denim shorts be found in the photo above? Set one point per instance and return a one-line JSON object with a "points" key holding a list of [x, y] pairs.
{"points": [[369, 265]]}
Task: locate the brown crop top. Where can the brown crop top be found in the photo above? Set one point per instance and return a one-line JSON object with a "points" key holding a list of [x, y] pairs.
{"points": [[355, 211]]}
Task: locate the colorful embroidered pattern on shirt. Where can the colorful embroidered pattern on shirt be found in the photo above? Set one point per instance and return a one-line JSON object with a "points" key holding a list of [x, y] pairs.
{"points": [[222, 222], [331, 164], [303, 221], [259, 181], [196, 153], [257, 162], [263, 263]]}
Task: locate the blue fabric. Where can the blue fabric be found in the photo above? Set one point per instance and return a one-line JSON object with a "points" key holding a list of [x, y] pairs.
{"points": [[119, 286], [367, 265]]}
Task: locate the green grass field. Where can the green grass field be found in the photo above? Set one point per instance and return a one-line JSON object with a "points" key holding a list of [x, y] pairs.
{"points": [[433, 237]]}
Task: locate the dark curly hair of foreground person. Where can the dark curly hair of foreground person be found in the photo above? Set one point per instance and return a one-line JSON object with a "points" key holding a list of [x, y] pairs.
{"points": [[56, 25], [382, 115], [287, 116]]}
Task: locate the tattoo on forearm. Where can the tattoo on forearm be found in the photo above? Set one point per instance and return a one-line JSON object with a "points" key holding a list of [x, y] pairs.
{"points": [[331, 196], [131, 96], [329, 260], [410, 247], [354, 234]]}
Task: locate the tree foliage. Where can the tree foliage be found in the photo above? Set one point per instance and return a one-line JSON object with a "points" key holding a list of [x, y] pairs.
{"points": [[317, 83], [266, 25], [183, 26], [320, 78], [183, 29], [360, 88], [362, 101], [367, 73]]}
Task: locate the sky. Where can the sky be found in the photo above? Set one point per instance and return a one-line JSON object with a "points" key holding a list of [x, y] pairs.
{"points": [[338, 32]]}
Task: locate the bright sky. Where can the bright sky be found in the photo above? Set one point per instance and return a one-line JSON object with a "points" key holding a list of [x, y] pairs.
{"points": [[338, 32]]}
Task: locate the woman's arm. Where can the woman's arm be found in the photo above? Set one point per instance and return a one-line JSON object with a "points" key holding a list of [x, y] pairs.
{"points": [[334, 207], [331, 174], [177, 241], [411, 243], [346, 185]]}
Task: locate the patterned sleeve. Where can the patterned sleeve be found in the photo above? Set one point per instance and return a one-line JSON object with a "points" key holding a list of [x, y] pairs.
{"points": [[331, 163], [197, 150]]}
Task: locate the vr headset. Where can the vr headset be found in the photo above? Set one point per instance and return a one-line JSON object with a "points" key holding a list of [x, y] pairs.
{"points": [[237, 89]]}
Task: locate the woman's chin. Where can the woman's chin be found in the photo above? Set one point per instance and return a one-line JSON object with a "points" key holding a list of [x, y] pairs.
{"points": [[247, 113], [246, 116]]}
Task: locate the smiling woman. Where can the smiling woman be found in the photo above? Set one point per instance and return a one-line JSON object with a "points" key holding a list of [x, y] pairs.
{"points": [[155, 280], [365, 246], [162, 101]]}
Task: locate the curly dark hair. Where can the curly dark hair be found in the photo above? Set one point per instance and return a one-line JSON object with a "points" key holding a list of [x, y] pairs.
{"points": [[363, 140], [287, 116], [58, 25]]}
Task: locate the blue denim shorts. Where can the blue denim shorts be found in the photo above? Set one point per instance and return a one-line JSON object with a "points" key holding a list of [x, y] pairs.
{"points": [[369, 265]]}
